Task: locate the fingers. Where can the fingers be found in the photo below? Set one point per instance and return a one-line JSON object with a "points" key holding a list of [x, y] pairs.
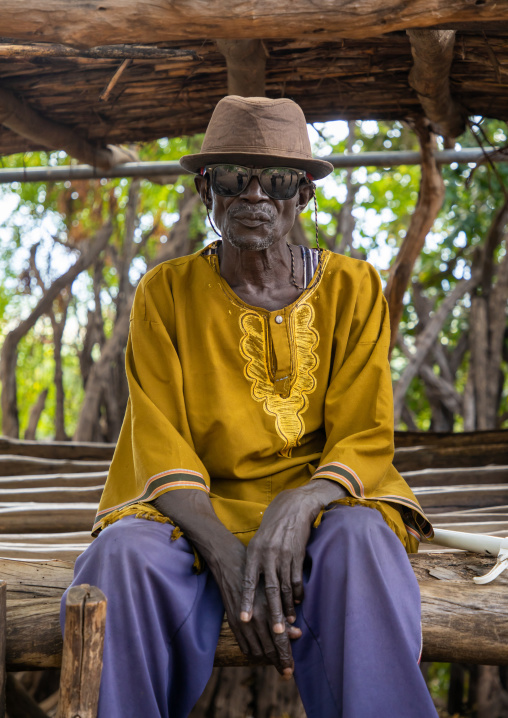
{"points": [[297, 581], [286, 593], [249, 584], [273, 598]]}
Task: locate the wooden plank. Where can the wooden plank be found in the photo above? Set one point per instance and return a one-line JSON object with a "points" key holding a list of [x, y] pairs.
{"points": [[461, 622], [461, 497], [85, 621], [46, 552], [60, 494], [16, 518], [24, 465], [87, 24], [57, 449], [465, 439], [93, 478], [434, 457], [447, 477], [69, 537]]}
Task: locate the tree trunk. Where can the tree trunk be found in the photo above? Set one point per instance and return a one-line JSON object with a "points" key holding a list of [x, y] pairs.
{"points": [[35, 415], [8, 359]]}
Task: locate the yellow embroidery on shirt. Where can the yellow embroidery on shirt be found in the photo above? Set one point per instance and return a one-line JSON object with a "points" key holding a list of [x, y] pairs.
{"points": [[256, 349]]}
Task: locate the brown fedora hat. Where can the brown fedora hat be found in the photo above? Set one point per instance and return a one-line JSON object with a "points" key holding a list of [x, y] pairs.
{"points": [[257, 131]]}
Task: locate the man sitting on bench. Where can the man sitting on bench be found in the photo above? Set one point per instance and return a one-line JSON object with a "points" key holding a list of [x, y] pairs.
{"points": [[259, 426]]}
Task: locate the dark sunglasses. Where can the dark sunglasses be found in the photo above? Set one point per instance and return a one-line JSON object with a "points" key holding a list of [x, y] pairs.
{"points": [[276, 182]]}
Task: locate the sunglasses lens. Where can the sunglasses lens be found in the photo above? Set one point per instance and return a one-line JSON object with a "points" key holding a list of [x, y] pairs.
{"points": [[279, 182], [229, 180]]}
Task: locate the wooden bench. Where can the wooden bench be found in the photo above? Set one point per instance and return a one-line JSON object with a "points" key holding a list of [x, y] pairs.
{"points": [[48, 498]]}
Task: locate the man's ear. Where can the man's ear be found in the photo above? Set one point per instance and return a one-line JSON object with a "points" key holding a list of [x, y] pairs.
{"points": [[305, 194], [203, 188]]}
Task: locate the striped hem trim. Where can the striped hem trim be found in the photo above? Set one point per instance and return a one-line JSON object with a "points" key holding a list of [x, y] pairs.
{"points": [[156, 485], [336, 470], [413, 533]]}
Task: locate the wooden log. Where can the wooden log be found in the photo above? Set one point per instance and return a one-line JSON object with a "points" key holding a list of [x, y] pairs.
{"points": [[461, 622], [22, 119], [464, 439], [26, 465], [447, 477], [16, 518], [57, 449], [87, 24], [432, 52], [61, 494], [462, 497], [85, 621], [63, 537], [430, 457], [39, 481], [118, 52]]}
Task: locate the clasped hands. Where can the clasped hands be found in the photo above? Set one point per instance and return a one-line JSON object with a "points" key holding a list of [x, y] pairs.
{"points": [[261, 610], [261, 584]]}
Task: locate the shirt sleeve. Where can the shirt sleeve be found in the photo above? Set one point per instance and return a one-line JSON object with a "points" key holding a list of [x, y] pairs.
{"points": [[155, 451], [358, 418]]}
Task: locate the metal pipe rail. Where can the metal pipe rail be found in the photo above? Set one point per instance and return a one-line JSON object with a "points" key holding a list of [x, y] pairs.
{"points": [[172, 170]]}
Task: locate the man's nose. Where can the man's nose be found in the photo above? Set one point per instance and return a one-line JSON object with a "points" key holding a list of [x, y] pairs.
{"points": [[254, 192]]}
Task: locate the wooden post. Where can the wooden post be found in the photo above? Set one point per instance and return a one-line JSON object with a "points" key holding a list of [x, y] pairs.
{"points": [[85, 622], [3, 640], [246, 62]]}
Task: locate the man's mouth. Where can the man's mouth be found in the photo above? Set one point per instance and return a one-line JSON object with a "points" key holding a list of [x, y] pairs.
{"points": [[251, 219]]}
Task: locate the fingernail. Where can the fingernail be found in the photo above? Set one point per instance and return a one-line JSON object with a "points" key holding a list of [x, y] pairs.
{"points": [[278, 628], [287, 674], [244, 616], [297, 601], [291, 619]]}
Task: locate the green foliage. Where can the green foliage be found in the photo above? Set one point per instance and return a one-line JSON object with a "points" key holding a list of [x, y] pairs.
{"points": [[59, 217]]}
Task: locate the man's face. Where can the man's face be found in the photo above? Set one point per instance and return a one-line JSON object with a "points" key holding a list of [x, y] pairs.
{"points": [[252, 220]]}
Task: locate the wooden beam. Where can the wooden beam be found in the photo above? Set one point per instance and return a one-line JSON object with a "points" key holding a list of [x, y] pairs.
{"points": [[19, 117], [88, 23], [28, 51], [85, 622], [461, 622], [246, 63], [432, 52]]}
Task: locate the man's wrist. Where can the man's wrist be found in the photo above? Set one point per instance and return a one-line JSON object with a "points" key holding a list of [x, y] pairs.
{"points": [[328, 490]]}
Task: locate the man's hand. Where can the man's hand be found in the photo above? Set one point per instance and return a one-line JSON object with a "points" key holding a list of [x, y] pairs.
{"points": [[278, 549], [225, 555], [255, 638]]}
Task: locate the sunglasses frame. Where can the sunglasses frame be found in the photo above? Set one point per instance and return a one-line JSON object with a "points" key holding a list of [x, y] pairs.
{"points": [[255, 172]]}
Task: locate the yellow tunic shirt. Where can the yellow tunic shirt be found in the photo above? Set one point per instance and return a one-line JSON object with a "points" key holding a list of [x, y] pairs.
{"points": [[243, 403]]}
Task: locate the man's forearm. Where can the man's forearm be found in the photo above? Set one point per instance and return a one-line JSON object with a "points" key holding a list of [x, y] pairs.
{"points": [[193, 512]]}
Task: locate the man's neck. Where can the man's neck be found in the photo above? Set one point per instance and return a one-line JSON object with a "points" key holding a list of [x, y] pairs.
{"points": [[262, 278]]}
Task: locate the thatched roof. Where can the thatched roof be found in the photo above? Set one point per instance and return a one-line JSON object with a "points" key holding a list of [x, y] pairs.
{"points": [[168, 95]]}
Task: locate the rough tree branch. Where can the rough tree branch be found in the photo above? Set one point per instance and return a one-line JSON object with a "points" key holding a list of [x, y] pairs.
{"points": [[430, 200], [19, 117], [427, 338]]}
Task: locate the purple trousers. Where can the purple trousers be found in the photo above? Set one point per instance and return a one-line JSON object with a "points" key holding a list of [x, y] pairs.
{"points": [[360, 619]]}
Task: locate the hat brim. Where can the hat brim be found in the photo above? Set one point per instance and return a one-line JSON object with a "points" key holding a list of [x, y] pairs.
{"points": [[317, 168]]}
